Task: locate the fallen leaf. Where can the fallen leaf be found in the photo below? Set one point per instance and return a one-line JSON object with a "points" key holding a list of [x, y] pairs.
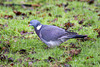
{"points": [[27, 59], [68, 59], [1, 25], [59, 5], [12, 64], [17, 12], [74, 52], [3, 57], [80, 28], [19, 60], [33, 58], [2, 66], [36, 60], [36, 5], [47, 9], [22, 51], [76, 17], [58, 16], [87, 58], [98, 34], [65, 5], [10, 59], [30, 64], [23, 14], [73, 46], [81, 22], [54, 20], [67, 9], [91, 57], [86, 39], [49, 14], [37, 12], [67, 65], [25, 32], [98, 14], [51, 59], [90, 2], [68, 24], [8, 16], [30, 13]]}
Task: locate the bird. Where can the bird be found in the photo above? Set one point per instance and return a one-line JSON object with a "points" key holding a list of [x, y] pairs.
{"points": [[52, 35]]}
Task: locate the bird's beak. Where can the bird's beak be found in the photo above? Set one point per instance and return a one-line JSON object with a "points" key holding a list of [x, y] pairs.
{"points": [[29, 25]]}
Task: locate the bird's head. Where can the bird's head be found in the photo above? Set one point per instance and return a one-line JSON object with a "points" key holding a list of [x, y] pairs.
{"points": [[34, 23]]}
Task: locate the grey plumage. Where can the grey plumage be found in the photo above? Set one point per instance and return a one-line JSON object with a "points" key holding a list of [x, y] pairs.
{"points": [[53, 35]]}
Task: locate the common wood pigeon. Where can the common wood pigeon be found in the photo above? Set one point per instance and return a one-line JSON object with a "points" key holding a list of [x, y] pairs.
{"points": [[52, 35]]}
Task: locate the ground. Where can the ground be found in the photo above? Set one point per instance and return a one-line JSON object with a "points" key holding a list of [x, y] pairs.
{"points": [[21, 47]]}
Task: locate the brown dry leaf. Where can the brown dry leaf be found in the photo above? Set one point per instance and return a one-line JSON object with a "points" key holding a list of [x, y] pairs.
{"points": [[68, 24], [37, 12], [89, 57], [53, 20], [76, 17], [90, 2], [47, 9], [27, 59], [17, 12], [30, 64], [54, 65], [36, 5], [19, 60], [10, 59], [43, 15], [73, 45], [2, 37], [80, 28], [98, 14], [65, 5], [51, 59], [49, 14], [25, 32], [74, 52], [59, 5], [22, 51], [1, 25], [8, 16], [58, 16], [67, 9], [81, 22], [86, 39], [12, 64], [98, 30], [30, 13], [68, 59], [3, 57], [98, 34]]}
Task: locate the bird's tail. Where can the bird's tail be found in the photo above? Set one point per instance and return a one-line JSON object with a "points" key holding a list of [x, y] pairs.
{"points": [[78, 36]]}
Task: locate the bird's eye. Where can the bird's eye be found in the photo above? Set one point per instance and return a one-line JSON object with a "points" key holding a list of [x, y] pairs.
{"points": [[28, 22]]}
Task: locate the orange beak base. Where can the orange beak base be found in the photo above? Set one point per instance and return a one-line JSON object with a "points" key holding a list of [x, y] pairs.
{"points": [[28, 25]]}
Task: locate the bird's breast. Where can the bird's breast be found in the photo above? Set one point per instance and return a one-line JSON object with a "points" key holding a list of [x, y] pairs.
{"points": [[54, 43]]}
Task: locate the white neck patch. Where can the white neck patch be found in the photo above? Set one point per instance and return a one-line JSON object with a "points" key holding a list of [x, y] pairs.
{"points": [[38, 27]]}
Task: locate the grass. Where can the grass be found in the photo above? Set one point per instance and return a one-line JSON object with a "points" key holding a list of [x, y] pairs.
{"points": [[31, 43]]}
